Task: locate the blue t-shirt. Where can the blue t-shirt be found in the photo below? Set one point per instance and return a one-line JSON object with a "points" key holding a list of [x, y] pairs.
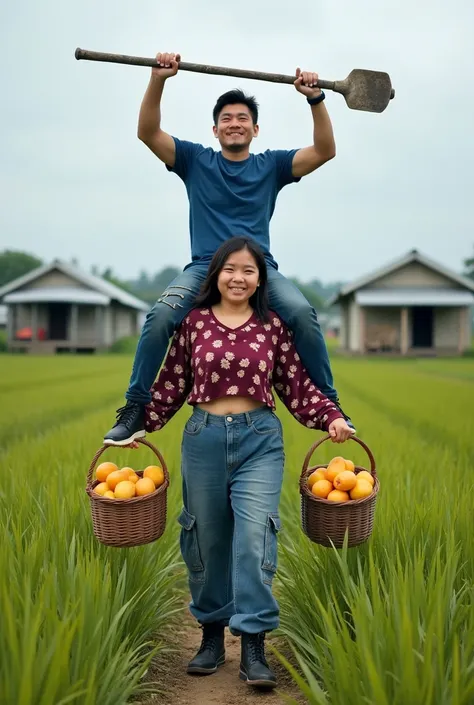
{"points": [[228, 198]]}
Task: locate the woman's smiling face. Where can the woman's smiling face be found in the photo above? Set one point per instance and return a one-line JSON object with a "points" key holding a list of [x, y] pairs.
{"points": [[238, 278]]}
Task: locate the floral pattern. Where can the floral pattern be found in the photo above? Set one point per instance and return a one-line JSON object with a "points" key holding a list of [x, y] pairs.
{"points": [[253, 357]]}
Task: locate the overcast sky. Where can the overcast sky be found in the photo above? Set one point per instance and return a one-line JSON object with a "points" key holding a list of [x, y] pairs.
{"points": [[76, 182]]}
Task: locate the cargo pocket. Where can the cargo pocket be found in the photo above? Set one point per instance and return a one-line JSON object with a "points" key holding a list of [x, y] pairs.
{"points": [[270, 550], [189, 547]]}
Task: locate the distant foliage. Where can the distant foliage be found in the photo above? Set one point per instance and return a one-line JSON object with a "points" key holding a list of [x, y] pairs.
{"points": [[150, 287], [14, 264], [316, 301], [324, 291], [125, 346], [469, 267]]}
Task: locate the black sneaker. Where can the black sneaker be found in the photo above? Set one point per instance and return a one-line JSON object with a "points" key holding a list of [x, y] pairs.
{"points": [[129, 426], [346, 417], [211, 653], [254, 668]]}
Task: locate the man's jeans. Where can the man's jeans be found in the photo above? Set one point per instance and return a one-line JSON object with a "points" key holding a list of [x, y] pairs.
{"points": [[232, 471], [176, 302]]}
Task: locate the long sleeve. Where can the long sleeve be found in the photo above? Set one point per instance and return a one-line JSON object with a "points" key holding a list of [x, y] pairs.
{"points": [[293, 385], [173, 384]]}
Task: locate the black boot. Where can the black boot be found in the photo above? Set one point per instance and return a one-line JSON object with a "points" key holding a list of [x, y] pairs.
{"points": [[130, 425], [211, 653], [254, 668]]}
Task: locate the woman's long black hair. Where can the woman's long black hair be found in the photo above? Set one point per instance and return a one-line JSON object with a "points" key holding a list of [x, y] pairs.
{"points": [[210, 294]]}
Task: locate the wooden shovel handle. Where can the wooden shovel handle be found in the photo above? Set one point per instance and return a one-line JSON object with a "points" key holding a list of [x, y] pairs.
{"points": [[326, 438], [198, 68]]}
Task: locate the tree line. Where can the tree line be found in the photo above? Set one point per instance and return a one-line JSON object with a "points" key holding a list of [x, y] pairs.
{"points": [[147, 286]]}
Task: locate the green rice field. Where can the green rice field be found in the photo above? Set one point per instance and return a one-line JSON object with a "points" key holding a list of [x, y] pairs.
{"points": [[387, 623]]}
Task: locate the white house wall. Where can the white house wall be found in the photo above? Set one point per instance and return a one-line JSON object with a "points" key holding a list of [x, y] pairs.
{"points": [[414, 275], [22, 315], [86, 325], [469, 314], [344, 329], [123, 322], [447, 323], [105, 322], [381, 316], [354, 326]]}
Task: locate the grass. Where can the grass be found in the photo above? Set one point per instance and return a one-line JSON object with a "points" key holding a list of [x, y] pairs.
{"points": [[79, 620], [388, 623], [392, 622]]}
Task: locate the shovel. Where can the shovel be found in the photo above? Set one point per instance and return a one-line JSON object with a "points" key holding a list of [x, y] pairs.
{"points": [[363, 89]]}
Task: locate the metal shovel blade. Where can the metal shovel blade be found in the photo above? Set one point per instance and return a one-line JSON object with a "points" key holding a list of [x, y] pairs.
{"points": [[366, 90]]}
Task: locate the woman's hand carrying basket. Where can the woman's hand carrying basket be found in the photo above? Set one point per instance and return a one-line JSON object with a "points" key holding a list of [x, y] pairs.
{"points": [[326, 522], [128, 522]]}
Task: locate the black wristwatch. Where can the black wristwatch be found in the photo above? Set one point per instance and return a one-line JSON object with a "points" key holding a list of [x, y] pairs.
{"points": [[318, 99]]}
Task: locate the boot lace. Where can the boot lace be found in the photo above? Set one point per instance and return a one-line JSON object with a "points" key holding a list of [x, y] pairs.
{"points": [[126, 414], [256, 649], [209, 640]]}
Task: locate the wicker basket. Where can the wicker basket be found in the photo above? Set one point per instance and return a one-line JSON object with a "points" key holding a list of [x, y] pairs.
{"points": [[326, 522], [128, 522]]}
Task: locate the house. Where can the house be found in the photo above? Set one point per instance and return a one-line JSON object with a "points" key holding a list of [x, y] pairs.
{"points": [[3, 317], [330, 323], [413, 306], [58, 308]]}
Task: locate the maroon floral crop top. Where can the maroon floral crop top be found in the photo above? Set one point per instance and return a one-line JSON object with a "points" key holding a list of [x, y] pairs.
{"points": [[207, 360]]}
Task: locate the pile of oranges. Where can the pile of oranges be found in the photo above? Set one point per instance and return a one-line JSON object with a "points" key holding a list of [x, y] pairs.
{"points": [[339, 483], [124, 483]]}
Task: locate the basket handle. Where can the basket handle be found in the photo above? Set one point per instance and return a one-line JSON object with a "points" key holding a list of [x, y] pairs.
{"points": [[326, 438], [106, 447]]}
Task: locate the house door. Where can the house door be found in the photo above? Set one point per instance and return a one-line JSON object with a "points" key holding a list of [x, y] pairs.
{"points": [[422, 326], [58, 319]]}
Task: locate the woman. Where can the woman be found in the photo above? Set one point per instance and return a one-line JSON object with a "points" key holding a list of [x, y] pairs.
{"points": [[224, 359]]}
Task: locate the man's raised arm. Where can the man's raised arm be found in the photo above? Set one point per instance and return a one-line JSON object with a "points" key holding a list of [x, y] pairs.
{"points": [[323, 148], [149, 120]]}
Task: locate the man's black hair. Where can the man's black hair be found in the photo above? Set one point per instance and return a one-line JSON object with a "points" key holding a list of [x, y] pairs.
{"points": [[233, 97]]}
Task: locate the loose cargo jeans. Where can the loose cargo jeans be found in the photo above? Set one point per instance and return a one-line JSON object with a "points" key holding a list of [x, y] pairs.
{"points": [[176, 302], [232, 472]]}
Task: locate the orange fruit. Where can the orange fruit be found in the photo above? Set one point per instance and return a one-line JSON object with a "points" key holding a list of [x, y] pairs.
{"points": [[155, 473], [362, 489], [349, 465], [133, 477], [336, 466], [144, 486], [103, 471], [321, 488], [124, 490], [319, 474], [338, 496], [109, 494], [115, 477], [364, 475], [101, 488], [346, 480]]}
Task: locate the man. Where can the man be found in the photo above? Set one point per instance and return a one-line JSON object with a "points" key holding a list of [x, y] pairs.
{"points": [[231, 192]]}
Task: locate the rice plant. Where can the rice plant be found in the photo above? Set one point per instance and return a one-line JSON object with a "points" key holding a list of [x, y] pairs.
{"points": [[388, 623]]}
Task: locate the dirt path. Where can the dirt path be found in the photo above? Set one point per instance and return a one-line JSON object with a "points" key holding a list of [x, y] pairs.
{"points": [[221, 688]]}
